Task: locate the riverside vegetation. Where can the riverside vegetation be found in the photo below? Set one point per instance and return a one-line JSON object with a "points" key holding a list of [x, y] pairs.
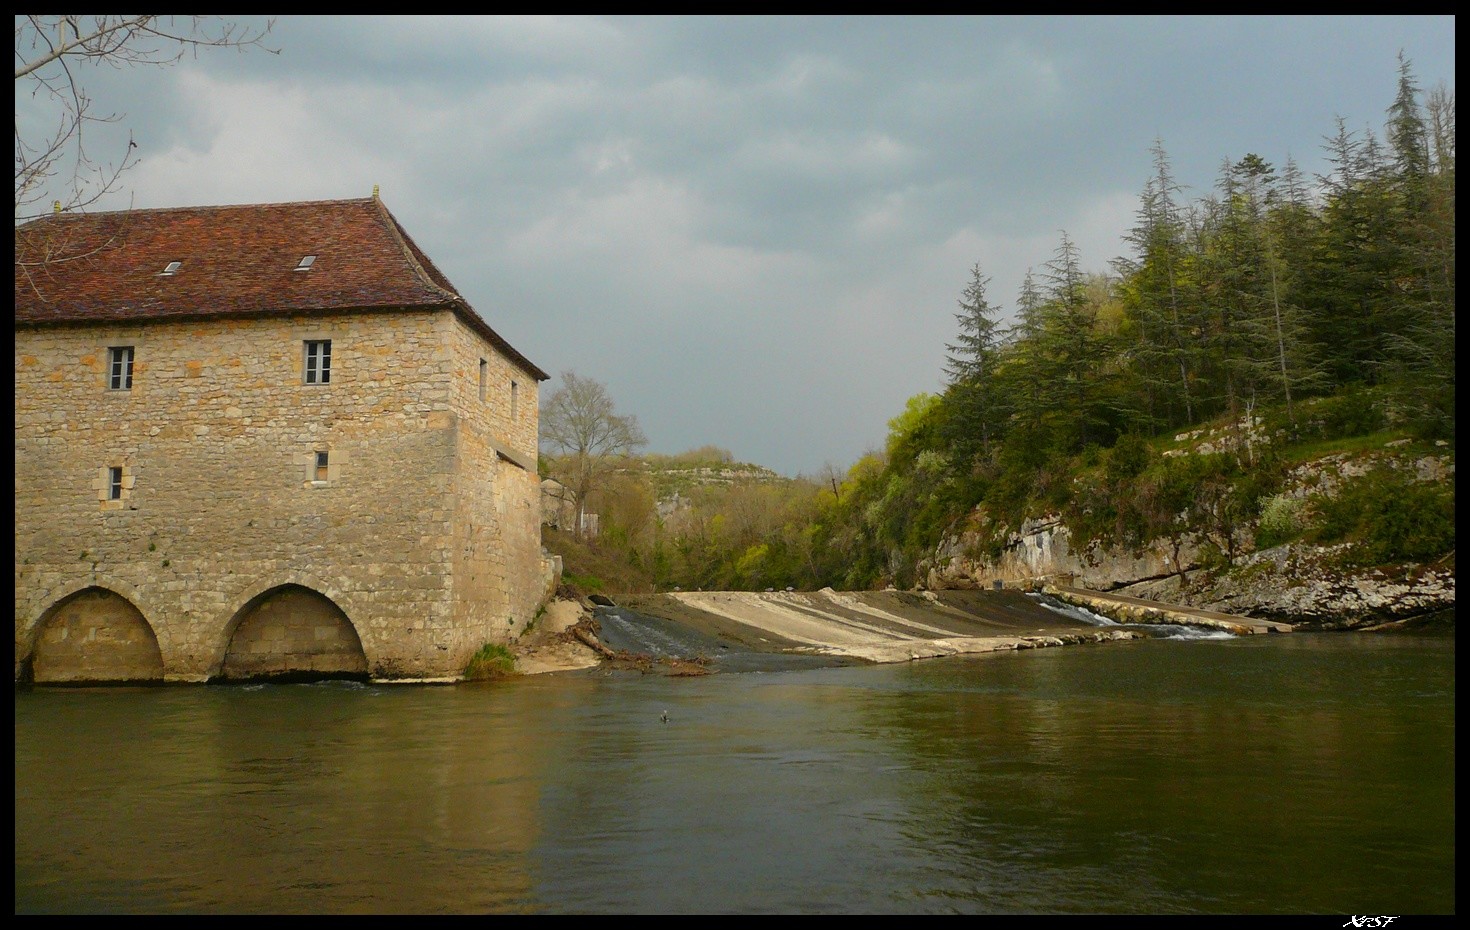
{"points": [[492, 660], [1271, 367]]}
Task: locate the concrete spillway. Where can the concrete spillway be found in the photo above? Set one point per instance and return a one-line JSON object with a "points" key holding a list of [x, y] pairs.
{"points": [[1137, 610], [879, 626]]}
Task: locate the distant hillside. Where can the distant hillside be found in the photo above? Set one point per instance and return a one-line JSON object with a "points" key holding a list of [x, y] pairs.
{"points": [[695, 520], [672, 476]]}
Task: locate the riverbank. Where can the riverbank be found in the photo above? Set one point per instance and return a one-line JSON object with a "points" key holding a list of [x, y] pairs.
{"points": [[1124, 609], [552, 644], [1303, 585]]}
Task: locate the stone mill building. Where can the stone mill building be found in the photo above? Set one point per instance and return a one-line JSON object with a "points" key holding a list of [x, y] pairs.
{"points": [[263, 440]]}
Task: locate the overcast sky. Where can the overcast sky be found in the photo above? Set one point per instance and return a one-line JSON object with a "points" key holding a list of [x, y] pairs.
{"points": [[754, 231]]}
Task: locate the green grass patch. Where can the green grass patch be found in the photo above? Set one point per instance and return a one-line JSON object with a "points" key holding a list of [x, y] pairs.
{"points": [[1375, 443], [491, 661], [588, 583]]}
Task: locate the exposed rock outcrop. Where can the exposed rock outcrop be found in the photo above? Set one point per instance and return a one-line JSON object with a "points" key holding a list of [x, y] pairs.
{"points": [[1295, 583]]}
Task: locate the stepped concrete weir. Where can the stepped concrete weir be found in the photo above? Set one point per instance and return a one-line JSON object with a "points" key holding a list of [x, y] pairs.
{"points": [[877, 626], [1125, 609]]}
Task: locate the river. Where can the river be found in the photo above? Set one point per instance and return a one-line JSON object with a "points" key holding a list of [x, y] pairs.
{"points": [[1284, 774]]}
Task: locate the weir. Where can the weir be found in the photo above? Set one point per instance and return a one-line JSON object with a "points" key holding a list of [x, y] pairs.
{"points": [[1126, 609], [873, 626]]}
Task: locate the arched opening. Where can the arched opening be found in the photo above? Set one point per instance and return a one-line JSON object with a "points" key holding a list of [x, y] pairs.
{"points": [[293, 633], [95, 636]]}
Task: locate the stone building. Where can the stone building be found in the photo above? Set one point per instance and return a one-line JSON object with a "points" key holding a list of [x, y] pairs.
{"points": [[558, 505], [263, 440], [559, 510]]}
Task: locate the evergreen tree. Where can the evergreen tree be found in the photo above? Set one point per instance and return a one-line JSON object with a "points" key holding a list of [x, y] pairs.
{"points": [[1421, 346], [1073, 353], [1020, 369], [970, 366], [1292, 227], [1155, 292], [1350, 282], [1408, 136]]}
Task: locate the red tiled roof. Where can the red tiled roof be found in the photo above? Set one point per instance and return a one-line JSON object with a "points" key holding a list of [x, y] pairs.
{"points": [[235, 261]]}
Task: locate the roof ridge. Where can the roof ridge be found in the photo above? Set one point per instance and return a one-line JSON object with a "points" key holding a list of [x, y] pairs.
{"points": [[411, 252], [380, 265], [396, 231], [50, 217]]}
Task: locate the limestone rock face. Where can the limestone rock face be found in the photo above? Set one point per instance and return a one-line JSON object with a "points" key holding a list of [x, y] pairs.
{"points": [[1295, 583]]}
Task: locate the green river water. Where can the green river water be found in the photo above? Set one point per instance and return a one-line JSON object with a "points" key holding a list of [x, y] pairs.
{"points": [[1285, 774]]}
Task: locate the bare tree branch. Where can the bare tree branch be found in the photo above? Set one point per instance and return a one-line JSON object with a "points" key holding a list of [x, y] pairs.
{"points": [[48, 53], [587, 438]]}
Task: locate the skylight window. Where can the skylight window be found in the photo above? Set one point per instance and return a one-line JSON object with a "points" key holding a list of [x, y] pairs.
{"points": [[172, 267], [306, 263]]}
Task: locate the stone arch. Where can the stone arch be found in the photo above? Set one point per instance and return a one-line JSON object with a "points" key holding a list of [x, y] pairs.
{"points": [[93, 635], [226, 623], [43, 601], [291, 630]]}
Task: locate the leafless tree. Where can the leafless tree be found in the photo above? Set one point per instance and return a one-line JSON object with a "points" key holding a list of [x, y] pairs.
{"points": [[586, 438], [52, 54]]}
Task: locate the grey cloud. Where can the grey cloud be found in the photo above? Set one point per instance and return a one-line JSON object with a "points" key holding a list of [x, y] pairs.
{"points": [[753, 229]]}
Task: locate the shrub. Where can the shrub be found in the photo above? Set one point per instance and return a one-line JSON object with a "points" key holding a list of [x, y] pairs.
{"points": [[1128, 458], [491, 661], [1282, 520], [1211, 557], [1357, 413], [1390, 516]]}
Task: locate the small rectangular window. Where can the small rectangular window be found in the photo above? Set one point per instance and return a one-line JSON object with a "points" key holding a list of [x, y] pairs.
{"points": [[306, 263], [484, 378], [318, 361], [120, 368], [514, 389], [172, 268], [321, 466], [114, 483]]}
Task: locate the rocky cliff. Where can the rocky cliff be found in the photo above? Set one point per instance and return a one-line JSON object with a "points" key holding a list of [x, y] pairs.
{"points": [[1296, 582]]}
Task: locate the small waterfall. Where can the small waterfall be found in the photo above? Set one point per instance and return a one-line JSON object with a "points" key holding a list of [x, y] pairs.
{"points": [[633, 632], [1069, 610], [1178, 631], [627, 631]]}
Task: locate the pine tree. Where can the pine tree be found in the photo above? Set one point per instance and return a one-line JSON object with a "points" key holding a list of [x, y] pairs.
{"points": [[973, 351], [1074, 353], [1407, 134], [1421, 343], [1292, 227], [970, 366], [1156, 295]]}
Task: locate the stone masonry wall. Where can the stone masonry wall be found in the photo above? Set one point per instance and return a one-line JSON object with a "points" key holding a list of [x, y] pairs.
{"points": [[220, 499], [498, 570]]}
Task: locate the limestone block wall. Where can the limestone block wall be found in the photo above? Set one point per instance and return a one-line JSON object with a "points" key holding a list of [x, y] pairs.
{"points": [[218, 439], [493, 394], [499, 574]]}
